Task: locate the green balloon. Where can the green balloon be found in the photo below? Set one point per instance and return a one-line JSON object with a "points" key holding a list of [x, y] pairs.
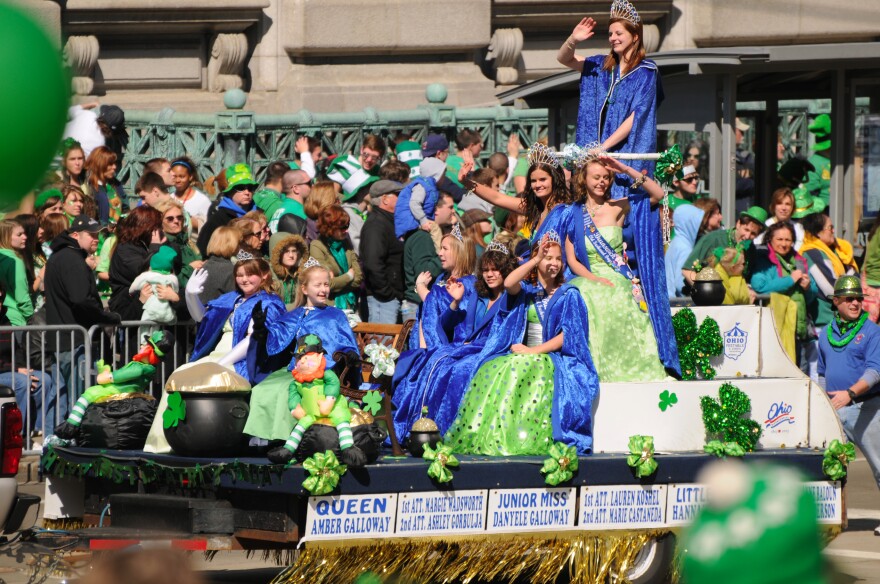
{"points": [[33, 103]]}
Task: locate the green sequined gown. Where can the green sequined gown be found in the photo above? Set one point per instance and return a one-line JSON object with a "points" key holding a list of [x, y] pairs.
{"points": [[621, 336], [507, 409]]}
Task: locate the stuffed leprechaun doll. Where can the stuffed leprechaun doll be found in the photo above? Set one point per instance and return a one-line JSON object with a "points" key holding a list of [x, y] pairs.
{"points": [[314, 394], [134, 376]]}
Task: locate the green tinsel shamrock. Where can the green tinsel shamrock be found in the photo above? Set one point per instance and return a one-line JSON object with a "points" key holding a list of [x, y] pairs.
{"points": [[669, 166], [324, 470], [641, 456], [837, 456], [561, 465], [696, 345], [667, 400], [440, 458], [176, 411], [727, 418], [373, 402], [724, 449]]}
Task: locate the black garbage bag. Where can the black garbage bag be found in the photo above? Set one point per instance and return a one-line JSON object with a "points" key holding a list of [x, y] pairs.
{"points": [[320, 438], [121, 424]]}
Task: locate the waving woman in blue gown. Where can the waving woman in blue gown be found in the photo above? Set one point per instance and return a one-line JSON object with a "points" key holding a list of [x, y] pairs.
{"points": [[543, 391], [617, 112]]}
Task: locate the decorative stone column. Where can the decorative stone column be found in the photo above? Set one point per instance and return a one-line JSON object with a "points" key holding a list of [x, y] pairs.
{"points": [[81, 55], [226, 66], [652, 37], [505, 48]]}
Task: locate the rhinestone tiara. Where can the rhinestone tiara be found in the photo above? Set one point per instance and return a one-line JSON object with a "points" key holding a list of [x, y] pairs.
{"points": [[552, 237], [624, 10], [495, 245], [576, 156], [540, 154], [311, 263], [243, 255], [456, 232]]}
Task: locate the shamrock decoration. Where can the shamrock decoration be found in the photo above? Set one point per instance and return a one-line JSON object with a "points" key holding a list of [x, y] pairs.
{"points": [[669, 165], [667, 400], [724, 418], [641, 456], [373, 402], [440, 458], [561, 465], [324, 470], [723, 449], [696, 344], [176, 411], [836, 458]]}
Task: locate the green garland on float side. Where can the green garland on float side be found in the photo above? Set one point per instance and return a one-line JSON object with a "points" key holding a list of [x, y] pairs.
{"points": [[148, 471], [727, 421], [696, 345]]}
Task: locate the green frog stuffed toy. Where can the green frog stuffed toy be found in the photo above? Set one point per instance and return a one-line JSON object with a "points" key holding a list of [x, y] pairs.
{"points": [[314, 394]]}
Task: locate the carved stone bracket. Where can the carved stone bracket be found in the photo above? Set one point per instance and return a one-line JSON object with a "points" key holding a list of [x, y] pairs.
{"points": [[652, 37], [81, 55], [226, 66], [505, 49]]}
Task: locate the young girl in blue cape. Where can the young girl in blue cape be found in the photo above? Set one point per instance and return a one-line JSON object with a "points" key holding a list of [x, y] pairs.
{"points": [[619, 94], [613, 294], [444, 373], [269, 417], [225, 327], [542, 392]]}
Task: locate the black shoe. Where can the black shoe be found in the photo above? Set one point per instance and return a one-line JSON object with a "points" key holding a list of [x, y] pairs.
{"points": [[354, 457], [280, 455], [66, 430]]}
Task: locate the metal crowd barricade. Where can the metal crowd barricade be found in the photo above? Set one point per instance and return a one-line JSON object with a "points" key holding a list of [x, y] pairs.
{"points": [[32, 362]]}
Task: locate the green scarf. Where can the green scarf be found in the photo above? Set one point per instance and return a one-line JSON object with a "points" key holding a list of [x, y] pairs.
{"points": [[288, 290], [337, 250]]}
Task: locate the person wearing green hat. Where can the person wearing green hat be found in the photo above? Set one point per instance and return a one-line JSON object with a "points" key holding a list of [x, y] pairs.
{"points": [[849, 370], [749, 225], [235, 201], [819, 180], [354, 183], [410, 153]]}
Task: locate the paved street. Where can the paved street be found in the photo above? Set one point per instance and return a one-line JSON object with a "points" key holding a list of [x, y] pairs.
{"points": [[855, 553]]}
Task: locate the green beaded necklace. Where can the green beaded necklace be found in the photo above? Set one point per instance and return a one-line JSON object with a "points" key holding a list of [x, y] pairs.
{"points": [[856, 327]]}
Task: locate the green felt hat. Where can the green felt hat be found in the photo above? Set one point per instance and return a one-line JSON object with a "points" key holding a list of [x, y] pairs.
{"points": [[239, 174], [347, 171], [758, 214], [821, 129], [806, 204], [163, 260], [758, 527], [46, 195], [848, 286]]}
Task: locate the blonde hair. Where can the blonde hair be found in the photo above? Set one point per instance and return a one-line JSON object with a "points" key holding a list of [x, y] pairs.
{"points": [[303, 279], [224, 242], [6, 229], [166, 205], [465, 255]]}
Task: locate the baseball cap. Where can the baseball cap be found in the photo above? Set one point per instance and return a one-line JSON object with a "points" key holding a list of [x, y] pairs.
{"points": [[384, 187], [433, 144], [84, 223], [742, 126]]}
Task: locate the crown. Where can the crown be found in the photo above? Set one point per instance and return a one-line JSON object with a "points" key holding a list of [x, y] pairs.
{"points": [[456, 232], [243, 255], [540, 154], [551, 237], [576, 156], [311, 263], [495, 245], [624, 10]]}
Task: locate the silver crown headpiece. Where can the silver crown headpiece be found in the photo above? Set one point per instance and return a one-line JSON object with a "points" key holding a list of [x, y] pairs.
{"points": [[625, 10], [243, 255], [311, 263], [456, 232], [576, 156], [552, 237], [496, 245], [540, 154]]}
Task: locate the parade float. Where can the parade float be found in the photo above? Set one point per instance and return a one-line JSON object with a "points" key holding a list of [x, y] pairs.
{"points": [[614, 513]]}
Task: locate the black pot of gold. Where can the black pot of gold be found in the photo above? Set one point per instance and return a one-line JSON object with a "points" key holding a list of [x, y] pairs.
{"points": [[708, 289], [424, 431]]}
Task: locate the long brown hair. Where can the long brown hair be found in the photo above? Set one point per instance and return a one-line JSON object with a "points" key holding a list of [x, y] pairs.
{"points": [[533, 276], [498, 260], [559, 195], [709, 206], [97, 164], [636, 52]]}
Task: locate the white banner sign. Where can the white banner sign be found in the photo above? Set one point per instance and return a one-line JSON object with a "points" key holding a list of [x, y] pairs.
{"points": [[441, 513], [829, 502], [517, 510], [345, 516], [684, 502], [623, 507]]}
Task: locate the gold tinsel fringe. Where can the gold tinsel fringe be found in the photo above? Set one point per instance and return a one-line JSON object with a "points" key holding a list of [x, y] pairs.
{"points": [[590, 558], [65, 524]]}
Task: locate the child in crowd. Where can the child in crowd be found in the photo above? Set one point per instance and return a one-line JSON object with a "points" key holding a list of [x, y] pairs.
{"points": [[416, 203], [486, 177], [155, 308], [730, 263]]}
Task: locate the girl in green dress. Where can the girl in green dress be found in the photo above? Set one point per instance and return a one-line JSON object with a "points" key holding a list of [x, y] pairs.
{"points": [[614, 303]]}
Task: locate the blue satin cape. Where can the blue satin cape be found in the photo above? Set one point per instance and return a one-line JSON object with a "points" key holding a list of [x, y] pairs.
{"points": [[218, 311], [440, 378], [639, 92], [328, 322]]}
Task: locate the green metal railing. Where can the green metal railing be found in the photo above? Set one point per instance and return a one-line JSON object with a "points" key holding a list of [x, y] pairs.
{"points": [[215, 141]]}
